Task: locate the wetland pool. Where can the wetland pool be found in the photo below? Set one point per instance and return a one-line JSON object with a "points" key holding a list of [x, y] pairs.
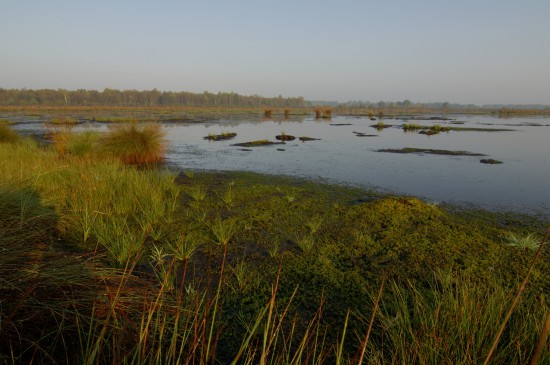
{"points": [[520, 184]]}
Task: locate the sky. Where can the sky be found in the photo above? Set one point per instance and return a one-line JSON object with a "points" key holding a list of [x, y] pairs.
{"points": [[468, 51]]}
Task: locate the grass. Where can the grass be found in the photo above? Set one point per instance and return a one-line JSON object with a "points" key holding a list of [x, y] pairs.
{"points": [[108, 263], [381, 125], [526, 242], [63, 121], [451, 322], [411, 126], [7, 134], [135, 144]]}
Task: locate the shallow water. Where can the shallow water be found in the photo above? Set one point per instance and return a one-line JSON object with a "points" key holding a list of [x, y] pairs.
{"points": [[520, 184]]}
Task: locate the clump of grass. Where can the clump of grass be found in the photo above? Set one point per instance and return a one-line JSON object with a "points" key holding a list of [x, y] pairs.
{"points": [[380, 125], [7, 134], [197, 192], [412, 126], [527, 242], [83, 144], [135, 144], [438, 128], [306, 242], [228, 197], [60, 136], [63, 121], [223, 230]]}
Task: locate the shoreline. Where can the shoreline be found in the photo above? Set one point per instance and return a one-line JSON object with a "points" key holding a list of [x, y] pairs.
{"points": [[368, 194]]}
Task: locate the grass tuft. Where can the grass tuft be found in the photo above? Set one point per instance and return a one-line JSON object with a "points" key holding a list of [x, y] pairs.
{"points": [[135, 144], [7, 134], [527, 242]]}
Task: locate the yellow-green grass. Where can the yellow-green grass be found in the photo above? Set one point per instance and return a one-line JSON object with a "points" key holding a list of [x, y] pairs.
{"points": [[133, 143], [7, 134]]}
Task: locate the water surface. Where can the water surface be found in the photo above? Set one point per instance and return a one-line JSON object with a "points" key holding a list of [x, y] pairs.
{"points": [[520, 184]]}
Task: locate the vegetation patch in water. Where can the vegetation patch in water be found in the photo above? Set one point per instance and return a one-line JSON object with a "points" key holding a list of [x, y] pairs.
{"points": [[429, 151], [285, 137], [361, 134], [258, 143], [305, 139], [435, 129], [490, 161], [381, 125], [220, 137]]}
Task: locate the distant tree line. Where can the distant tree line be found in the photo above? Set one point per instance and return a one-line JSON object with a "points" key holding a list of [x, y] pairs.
{"points": [[407, 106], [138, 98]]}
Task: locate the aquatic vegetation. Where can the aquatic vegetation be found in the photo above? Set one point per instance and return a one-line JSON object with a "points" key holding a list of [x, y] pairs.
{"points": [[135, 144], [305, 139], [381, 125], [490, 161], [221, 137], [258, 143], [429, 151], [284, 137], [427, 130], [411, 126], [361, 134]]}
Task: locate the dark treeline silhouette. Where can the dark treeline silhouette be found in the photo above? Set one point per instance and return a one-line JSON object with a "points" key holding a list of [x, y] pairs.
{"points": [[137, 98]]}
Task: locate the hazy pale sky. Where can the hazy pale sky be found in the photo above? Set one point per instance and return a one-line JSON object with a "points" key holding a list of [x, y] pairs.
{"points": [[468, 51]]}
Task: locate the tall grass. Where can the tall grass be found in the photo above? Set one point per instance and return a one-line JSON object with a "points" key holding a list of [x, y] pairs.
{"points": [[99, 202], [7, 134], [454, 322], [135, 144]]}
